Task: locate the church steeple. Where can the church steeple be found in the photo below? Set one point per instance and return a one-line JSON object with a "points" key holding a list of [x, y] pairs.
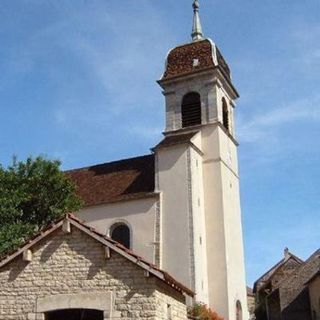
{"points": [[196, 28], [197, 168]]}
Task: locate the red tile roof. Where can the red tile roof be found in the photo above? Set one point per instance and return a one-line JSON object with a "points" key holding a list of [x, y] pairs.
{"points": [[112, 244], [115, 181], [180, 60]]}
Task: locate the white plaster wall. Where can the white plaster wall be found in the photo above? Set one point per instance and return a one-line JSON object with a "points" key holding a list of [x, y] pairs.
{"points": [[216, 247], [173, 183], [139, 214], [223, 222], [197, 141], [314, 292], [199, 231], [234, 241]]}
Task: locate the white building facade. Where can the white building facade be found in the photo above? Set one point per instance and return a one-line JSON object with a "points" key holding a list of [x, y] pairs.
{"points": [[180, 206]]}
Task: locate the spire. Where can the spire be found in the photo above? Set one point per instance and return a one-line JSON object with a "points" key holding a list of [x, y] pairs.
{"points": [[196, 28]]}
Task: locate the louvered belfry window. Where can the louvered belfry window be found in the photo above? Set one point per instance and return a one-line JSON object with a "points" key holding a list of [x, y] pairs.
{"points": [[191, 109], [225, 114]]}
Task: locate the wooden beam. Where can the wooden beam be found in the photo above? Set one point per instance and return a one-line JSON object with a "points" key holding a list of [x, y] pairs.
{"points": [[66, 226], [146, 273], [107, 253], [27, 255]]}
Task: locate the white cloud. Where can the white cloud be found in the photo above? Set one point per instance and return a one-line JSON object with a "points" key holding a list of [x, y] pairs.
{"points": [[265, 124]]}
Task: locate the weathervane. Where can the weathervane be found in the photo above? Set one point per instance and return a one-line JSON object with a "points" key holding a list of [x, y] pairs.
{"points": [[196, 28]]}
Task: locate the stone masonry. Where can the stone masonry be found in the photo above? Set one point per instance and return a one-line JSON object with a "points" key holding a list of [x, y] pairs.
{"points": [[71, 269]]}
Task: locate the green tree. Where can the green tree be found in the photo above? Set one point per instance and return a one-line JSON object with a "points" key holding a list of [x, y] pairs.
{"points": [[32, 194]]}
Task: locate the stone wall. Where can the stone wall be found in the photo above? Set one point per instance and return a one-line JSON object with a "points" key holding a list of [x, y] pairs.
{"points": [[251, 304], [71, 269]]}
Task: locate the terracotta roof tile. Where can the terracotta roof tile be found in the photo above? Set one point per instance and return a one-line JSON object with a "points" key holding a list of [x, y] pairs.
{"points": [[180, 60], [115, 181]]}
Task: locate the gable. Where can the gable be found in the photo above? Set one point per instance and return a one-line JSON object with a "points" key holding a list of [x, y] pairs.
{"points": [[109, 247], [295, 284], [72, 270], [68, 259], [284, 271], [277, 273]]}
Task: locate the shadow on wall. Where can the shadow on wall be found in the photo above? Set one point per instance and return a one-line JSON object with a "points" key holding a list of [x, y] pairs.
{"points": [[299, 308]]}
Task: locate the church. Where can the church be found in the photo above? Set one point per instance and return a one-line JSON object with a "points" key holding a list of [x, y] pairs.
{"points": [[179, 207]]}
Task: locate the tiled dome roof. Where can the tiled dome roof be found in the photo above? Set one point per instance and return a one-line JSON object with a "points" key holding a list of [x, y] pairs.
{"points": [[193, 57]]}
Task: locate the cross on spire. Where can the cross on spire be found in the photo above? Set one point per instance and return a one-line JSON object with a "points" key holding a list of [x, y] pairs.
{"points": [[196, 28]]}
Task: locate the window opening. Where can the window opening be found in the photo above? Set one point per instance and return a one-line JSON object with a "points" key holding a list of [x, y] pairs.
{"points": [[75, 314], [121, 234], [225, 114], [191, 109], [238, 310]]}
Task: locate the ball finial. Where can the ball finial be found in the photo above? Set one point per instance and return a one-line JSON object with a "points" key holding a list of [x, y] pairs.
{"points": [[195, 5]]}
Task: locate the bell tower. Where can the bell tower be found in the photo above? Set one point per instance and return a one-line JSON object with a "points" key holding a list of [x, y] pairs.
{"points": [[197, 176]]}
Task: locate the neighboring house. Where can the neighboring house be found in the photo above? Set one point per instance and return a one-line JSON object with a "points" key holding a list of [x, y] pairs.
{"points": [[70, 271], [290, 290], [179, 206], [314, 294], [251, 302]]}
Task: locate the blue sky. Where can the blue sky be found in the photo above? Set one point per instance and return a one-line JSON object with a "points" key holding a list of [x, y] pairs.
{"points": [[78, 83]]}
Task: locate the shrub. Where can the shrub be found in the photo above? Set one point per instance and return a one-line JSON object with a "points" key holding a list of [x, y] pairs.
{"points": [[200, 311]]}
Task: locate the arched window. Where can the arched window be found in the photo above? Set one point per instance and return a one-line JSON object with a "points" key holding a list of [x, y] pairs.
{"points": [[120, 232], [225, 114], [191, 109], [238, 310]]}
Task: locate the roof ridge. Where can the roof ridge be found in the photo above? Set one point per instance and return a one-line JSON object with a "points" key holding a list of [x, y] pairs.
{"points": [[189, 43], [111, 162]]}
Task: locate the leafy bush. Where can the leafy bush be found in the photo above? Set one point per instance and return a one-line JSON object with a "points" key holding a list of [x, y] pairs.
{"points": [[200, 311]]}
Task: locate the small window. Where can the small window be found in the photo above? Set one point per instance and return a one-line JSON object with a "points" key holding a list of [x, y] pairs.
{"points": [[191, 110], [120, 232], [225, 114], [238, 310]]}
